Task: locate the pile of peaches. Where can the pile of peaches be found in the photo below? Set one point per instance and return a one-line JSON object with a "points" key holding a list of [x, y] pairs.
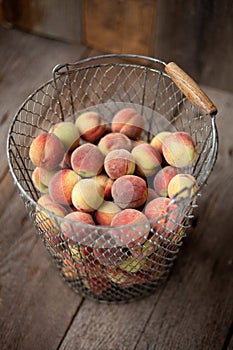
{"points": [[95, 174]]}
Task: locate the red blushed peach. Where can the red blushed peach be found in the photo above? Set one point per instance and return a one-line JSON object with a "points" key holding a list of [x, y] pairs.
{"points": [[61, 186], [41, 178], [80, 228], [91, 126], [67, 133], [162, 179], [163, 215], [94, 278], [134, 227], [106, 183], [182, 186], [119, 162], [129, 191], [107, 252], [106, 212], [87, 195], [179, 149], [128, 122], [114, 140], [157, 140], [147, 159], [46, 151], [87, 160]]}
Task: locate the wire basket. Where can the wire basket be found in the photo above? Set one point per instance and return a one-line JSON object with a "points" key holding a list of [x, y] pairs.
{"points": [[98, 264]]}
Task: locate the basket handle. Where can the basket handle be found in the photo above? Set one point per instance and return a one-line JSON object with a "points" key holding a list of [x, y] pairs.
{"points": [[190, 88]]}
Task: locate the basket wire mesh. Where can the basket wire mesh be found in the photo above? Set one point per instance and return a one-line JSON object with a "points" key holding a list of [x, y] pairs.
{"points": [[99, 264]]}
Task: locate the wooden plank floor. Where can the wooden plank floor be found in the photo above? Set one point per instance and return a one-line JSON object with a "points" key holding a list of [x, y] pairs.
{"points": [[38, 311]]}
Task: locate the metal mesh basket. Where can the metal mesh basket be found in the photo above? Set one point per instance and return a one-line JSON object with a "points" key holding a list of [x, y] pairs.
{"points": [[99, 264]]}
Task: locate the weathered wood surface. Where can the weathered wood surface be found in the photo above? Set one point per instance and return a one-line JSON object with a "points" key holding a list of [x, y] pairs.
{"points": [[38, 311]]}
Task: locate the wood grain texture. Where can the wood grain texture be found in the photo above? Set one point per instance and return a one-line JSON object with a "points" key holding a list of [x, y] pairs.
{"points": [[26, 62], [120, 26], [55, 18], [197, 35], [36, 307]]}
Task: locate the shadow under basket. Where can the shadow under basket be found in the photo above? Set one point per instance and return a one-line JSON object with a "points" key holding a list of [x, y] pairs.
{"points": [[97, 265]]}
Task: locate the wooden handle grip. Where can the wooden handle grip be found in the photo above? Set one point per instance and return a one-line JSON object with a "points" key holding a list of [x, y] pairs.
{"points": [[190, 88]]}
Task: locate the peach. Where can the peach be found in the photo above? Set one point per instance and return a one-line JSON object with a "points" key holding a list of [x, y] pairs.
{"points": [[61, 186], [107, 252], [157, 140], [147, 159], [91, 126], [46, 151], [163, 215], [87, 195], [67, 133], [179, 149], [87, 160], [41, 178], [114, 140], [182, 186], [49, 225], [134, 227], [80, 228], [129, 191], [106, 183], [106, 212], [44, 200], [123, 278], [119, 162], [133, 264], [162, 179], [128, 122], [69, 269]]}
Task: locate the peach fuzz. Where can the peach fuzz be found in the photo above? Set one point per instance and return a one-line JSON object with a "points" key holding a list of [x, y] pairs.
{"points": [[41, 178], [147, 159], [91, 126], [106, 212], [119, 162], [87, 195], [134, 227], [179, 149], [129, 191], [44, 200], [106, 183], [46, 151], [67, 133], [157, 140], [128, 122], [182, 186], [114, 140], [75, 232], [61, 186], [163, 215], [87, 160], [162, 179]]}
